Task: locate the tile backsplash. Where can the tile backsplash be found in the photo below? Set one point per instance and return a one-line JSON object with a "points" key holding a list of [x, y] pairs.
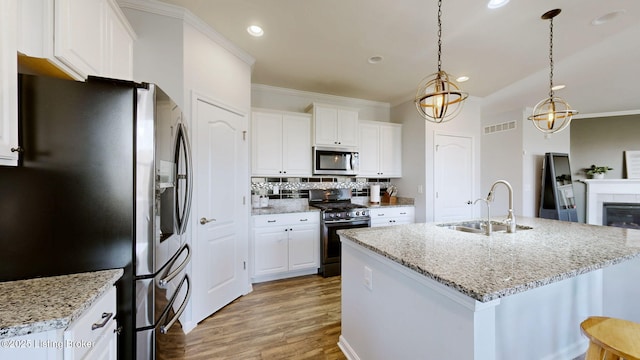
{"points": [[298, 187]]}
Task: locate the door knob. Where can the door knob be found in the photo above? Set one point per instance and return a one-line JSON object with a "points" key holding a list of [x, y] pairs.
{"points": [[205, 220]]}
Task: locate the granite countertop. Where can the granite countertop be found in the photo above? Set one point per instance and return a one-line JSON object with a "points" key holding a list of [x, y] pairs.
{"points": [[490, 267], [400, 202], [42, 304], [287, 206]]}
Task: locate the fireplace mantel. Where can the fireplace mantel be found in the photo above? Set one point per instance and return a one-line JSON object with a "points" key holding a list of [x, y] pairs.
{"points": [[600, 191]]}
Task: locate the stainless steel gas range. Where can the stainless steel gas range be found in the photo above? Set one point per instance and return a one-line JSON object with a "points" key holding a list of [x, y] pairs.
{"points": [[338, 212]]}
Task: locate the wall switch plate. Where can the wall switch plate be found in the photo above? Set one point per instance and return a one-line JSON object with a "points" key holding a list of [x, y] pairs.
{"points": [[368, 278]]}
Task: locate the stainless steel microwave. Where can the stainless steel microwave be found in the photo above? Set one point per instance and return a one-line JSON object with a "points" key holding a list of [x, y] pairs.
{"points": [[335, 161]]}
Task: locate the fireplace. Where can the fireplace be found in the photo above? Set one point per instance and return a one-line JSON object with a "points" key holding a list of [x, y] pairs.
{"points": [[609, 191], [625, 215]]}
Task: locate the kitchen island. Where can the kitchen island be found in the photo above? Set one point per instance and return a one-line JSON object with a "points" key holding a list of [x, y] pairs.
{"points": [[424, 291]]}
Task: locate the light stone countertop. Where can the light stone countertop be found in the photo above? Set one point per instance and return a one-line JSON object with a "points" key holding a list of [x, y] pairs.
{"points": [[288, 206], [490, 267], [42, 304], [285, 206]]}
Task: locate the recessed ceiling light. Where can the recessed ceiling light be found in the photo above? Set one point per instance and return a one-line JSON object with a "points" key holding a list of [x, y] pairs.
{"points": [[462, 78], [255, 30], [494, 4], [558, 87], [607, 17], [375, 59]]}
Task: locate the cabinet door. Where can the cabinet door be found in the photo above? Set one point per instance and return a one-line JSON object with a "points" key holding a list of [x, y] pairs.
{"points": [[106, 347], [296, 145], [325, 125], [266, 141], [390, 151], [270, 250], [119, 45], [347, 127], [304, 247], [79, 41], [369, 150], [8, 83]]}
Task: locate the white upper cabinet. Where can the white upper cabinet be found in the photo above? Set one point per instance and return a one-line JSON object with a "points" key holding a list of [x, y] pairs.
{"points": [[119, 44], [79, 37], [380, 149], [8, 83], [334, 125], [281, 143]]}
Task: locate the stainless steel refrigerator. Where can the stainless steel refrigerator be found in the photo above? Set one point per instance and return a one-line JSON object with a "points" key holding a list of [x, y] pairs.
{"points": [[103, 182]]}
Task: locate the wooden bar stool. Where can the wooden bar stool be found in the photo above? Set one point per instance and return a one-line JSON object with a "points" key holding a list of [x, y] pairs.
{"points": [[611, 338]]}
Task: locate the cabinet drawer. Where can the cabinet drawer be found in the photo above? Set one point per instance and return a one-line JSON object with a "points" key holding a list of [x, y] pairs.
{"points": [[286, 219], [84, 333], [393, 212]]}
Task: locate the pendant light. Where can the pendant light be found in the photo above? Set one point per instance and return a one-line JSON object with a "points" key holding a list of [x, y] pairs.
{"points": [[438, 98], [552, 114]]}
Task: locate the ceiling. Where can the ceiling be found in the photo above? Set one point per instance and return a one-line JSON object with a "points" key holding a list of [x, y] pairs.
{"points": [[324, 45]]}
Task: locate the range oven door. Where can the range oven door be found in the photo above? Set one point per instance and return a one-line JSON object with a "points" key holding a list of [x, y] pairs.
{"points": [[330, 244]]}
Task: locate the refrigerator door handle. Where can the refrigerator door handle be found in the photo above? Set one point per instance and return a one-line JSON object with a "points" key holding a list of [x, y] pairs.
{"points": [[183, 205], [165, 280], [164, 328]]}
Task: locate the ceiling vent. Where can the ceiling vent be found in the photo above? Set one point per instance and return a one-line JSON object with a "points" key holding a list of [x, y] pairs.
{"points": [[506, 126]]}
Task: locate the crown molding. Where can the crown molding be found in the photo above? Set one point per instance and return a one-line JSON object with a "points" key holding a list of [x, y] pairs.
{"points": [[180, 13]]}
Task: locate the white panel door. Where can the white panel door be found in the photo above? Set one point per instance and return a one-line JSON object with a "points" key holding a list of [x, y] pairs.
{"points": [[220, 242], [453, 177]]}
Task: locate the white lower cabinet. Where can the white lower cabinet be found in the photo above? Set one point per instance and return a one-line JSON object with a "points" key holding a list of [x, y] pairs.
{"points": [[285, 245], [387, 216], [92, 336]]}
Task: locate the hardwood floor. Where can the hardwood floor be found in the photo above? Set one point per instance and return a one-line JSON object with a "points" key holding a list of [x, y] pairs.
{"points": [[296, 318]]}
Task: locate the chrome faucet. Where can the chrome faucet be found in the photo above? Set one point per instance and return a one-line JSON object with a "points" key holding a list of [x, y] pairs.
{"points": [[487, 225], [511, 219]]}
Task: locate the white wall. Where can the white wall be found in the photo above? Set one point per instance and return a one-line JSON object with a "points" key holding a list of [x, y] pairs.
{"points": [[516, 156], [157, 53], [270, 97], [212, 71]]}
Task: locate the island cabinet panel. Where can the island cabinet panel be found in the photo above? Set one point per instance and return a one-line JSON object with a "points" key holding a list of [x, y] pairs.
{"points": [[392, 312]]}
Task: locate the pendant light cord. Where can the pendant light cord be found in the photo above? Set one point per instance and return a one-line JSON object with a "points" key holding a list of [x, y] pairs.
{"points": [[551, 58], [439, 35]]}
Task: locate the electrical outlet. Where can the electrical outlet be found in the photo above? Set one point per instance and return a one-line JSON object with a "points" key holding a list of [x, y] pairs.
{"points": [[420, 189], [368, 278]]}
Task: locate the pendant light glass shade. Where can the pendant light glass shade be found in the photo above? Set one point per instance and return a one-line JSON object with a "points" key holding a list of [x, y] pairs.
{"points": [[439, 99], [552, 114]]}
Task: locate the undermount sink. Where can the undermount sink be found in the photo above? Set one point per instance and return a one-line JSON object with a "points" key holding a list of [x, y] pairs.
{"points": [[477, 226]]}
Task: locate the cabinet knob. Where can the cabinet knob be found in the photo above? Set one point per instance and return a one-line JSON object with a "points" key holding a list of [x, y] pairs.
{"points": [[18, 149]]}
